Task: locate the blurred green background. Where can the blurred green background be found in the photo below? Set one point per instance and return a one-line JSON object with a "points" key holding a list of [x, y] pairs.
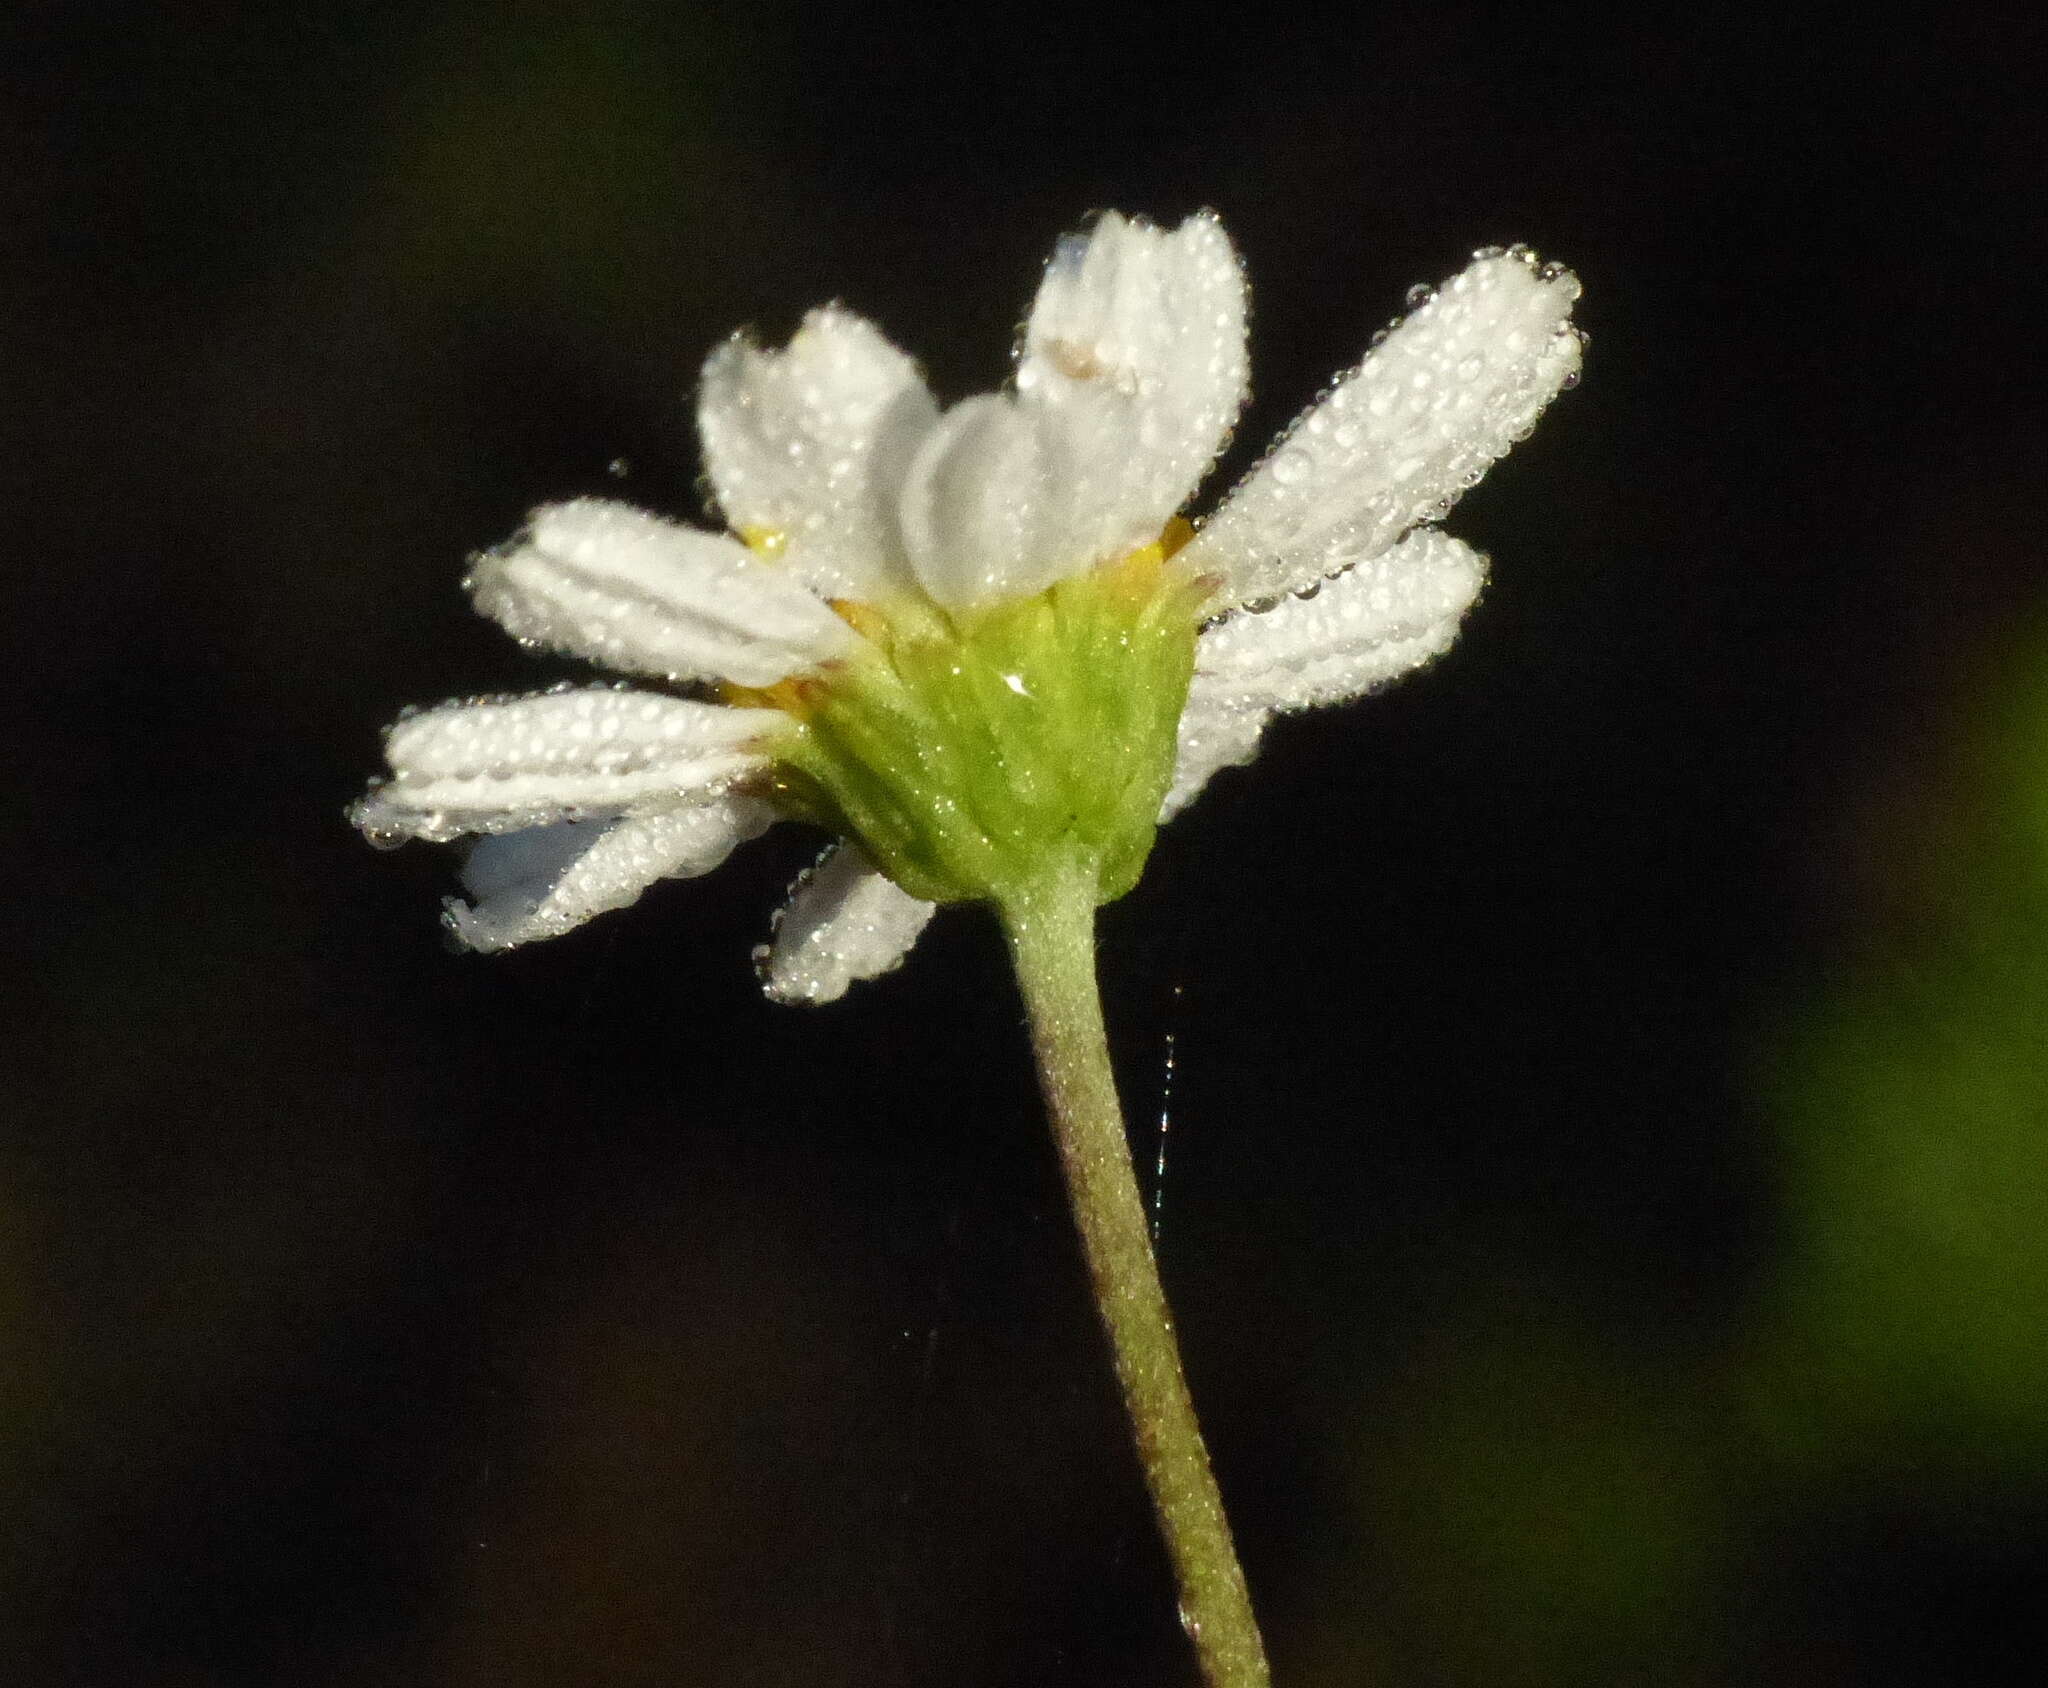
{"points": [[1604, 1193]]}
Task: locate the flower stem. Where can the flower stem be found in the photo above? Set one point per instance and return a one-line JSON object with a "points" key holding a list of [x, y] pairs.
{"points": [[1051, 930]]}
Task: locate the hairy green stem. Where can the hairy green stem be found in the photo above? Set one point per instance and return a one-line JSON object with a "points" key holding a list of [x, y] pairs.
{"points": [[1051, 929]]}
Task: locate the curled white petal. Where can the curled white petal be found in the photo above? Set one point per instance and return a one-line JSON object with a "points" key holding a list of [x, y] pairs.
{"points": [[810, 443], [1218, 729], [845, 920], [1133, 362], [613, 584], [1397, 440], [980, 517], [1370, 625], [543, 881], [580, 754]]}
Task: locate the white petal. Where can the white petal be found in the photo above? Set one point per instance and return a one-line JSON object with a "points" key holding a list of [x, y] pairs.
{"points": [[541, 882], [1403, 435], [590, 753], [979, 521], [1218, 729], [628, 590], [1368, 626], [810, 443], [844, 921], [1134, 361]]}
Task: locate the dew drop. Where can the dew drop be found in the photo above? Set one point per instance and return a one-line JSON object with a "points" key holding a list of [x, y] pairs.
{"points": [[1291, 467]]}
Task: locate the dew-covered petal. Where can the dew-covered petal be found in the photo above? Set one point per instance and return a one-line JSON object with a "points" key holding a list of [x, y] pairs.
{"points": [[1394, 442], [613, 584], [1371, 625], [1218, 729], [1133, 361], [845, 920], [540, 882], [979, 517], [577, 754], [810, 443]]}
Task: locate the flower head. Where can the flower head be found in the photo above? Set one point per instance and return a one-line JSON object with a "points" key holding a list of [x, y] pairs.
{"points": [[962, 638]]}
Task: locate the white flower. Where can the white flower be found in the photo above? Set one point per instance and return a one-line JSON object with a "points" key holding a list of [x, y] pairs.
{"points": [[918, 630]]}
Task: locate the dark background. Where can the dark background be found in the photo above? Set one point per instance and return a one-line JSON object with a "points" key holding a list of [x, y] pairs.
{"points": [[1604, 1193]]}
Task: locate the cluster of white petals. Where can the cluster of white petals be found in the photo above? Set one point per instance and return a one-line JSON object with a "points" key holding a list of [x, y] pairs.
{"points": [[834, 461]]}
